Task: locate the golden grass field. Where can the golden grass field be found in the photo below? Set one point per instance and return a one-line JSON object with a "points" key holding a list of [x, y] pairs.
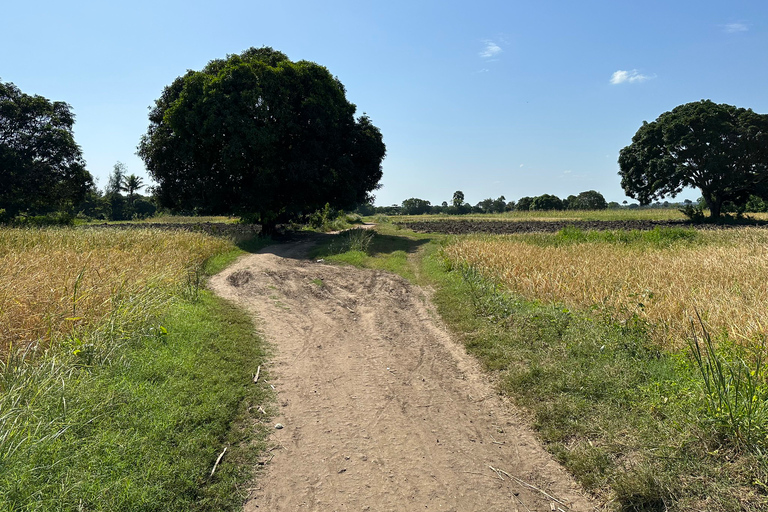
{"points": [[55, 280], [723, 276]]}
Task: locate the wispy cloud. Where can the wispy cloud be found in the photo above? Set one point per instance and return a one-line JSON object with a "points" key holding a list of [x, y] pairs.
{"points": [[735, 28], [632, 76], [490, 50]]}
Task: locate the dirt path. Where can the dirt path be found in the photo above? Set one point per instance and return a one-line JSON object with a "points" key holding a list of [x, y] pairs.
{"points": [[382, 409]]}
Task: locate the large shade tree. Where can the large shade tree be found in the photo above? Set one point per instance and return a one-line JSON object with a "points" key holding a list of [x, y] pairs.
{"points": [[41, 167], [257, 134], [720, 149]]}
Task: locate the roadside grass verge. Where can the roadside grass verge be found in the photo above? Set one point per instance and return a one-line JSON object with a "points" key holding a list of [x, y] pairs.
{"points": [[643, 427], [130, 409]]}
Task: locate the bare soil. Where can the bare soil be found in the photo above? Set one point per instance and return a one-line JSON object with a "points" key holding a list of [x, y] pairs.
{"points": [[382, 408]]}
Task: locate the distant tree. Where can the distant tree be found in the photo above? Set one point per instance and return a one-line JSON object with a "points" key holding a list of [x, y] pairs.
{"points": [[365, 209], [41, 167], [458, 199], [445, 204], [259, 135], [720, 149], [131, 184], [524, 204], [143, 208], [115, 180], [589, 200], [613, 205], [546, 202], [492, 205], [415, 206]]}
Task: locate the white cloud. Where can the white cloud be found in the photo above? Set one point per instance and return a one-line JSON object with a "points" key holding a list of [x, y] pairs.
{"points": [[621, 76], [491, 50], [734, 28]]}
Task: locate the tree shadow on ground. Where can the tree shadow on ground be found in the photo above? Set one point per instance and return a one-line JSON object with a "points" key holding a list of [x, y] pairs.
{"points": [[387, 244], [312, 242]]}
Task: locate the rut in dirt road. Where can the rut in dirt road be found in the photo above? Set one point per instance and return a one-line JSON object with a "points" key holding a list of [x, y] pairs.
{"points": [[382, 409]]}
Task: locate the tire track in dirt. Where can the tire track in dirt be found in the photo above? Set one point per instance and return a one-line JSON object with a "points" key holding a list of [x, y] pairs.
{"points": [[382, 409]]}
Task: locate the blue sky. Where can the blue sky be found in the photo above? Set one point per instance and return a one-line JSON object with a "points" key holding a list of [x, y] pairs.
{"points": [[515, 98]]}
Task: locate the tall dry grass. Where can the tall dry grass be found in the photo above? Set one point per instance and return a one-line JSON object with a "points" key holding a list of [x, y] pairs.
{"points": [[723, 276], [58, 281]]}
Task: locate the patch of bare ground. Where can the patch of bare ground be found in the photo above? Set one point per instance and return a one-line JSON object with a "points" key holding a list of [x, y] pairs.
{"points": [[381, 408]]}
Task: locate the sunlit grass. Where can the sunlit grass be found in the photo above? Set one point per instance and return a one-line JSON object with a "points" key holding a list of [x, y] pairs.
{"points": [[121, 379], [720, 274], [657, 214], [54, 281], [176, 219]]}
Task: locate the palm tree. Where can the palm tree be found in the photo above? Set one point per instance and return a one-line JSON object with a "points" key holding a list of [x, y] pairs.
{"points": [[131, 184]]}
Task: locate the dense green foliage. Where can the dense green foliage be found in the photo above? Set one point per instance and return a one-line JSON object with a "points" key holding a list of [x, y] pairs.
{"points": [[41, 167], [720, 149], [589, 200], [261, 136]]}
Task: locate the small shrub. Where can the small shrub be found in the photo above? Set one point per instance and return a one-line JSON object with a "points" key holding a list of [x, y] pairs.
{"points": [[694, 212]]}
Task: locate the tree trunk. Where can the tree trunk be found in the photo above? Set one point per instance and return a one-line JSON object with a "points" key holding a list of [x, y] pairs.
{"points": [[714, 203]]}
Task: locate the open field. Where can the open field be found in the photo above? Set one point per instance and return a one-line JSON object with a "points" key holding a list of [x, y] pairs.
{"points": [[629, 215], [54, 282], [121, 377], [657, 214], [662, 277]]}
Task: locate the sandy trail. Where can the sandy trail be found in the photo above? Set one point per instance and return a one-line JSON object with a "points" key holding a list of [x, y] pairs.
{"points": [[382, 409]]}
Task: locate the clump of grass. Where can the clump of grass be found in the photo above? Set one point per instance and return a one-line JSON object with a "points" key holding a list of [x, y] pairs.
{"points": [[736, 390]]}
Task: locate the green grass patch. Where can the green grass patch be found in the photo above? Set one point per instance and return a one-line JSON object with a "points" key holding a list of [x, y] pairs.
{"points": [[385, 248], [143, 430]]}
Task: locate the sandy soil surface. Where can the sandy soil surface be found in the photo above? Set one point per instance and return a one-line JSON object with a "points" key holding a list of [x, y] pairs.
{"points": [[382, 409]]}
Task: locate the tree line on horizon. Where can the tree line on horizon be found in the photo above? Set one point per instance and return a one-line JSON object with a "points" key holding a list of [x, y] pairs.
{"points": [[271, 140], [588, 200]]}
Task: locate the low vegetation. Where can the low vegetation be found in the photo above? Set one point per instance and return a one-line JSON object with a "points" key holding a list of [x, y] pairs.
{"points": [[661, 277], [121, 378], [643, 425]]}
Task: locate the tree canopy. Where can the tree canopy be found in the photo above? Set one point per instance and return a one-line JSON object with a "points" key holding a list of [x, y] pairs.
{"points": [[589, 200], [546, 202], [720, 149], [41, 167], [259, 134]]}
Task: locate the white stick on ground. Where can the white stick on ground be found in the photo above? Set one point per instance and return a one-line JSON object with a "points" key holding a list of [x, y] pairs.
{"points": [[217, 461]]}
